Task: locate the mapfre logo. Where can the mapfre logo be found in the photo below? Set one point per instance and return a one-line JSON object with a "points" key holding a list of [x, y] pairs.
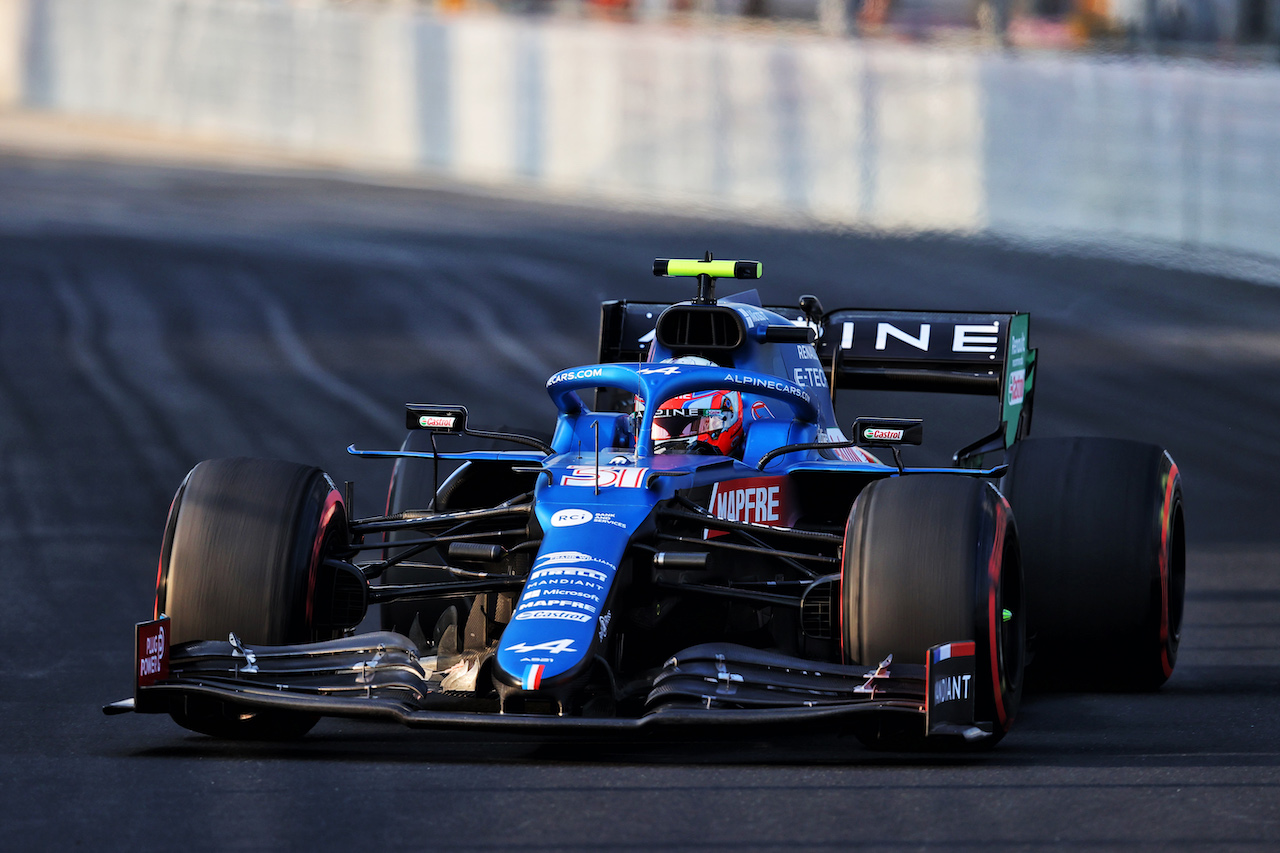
{"points": [[758, 500]]}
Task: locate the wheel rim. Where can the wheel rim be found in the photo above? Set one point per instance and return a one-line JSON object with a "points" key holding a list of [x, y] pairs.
{"points": [[1172, 566], [326, 532], [1005, 635]]}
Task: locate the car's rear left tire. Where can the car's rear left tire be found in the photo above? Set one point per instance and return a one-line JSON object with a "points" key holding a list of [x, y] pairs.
{"points": [[932, 559], [1105, 560], [242, 553]]}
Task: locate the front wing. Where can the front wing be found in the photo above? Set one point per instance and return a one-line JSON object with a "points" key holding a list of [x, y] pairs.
{"points": [[382, 676]]}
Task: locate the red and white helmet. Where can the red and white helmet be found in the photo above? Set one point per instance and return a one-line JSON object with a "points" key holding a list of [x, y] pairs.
{"points": [[702, 422]]}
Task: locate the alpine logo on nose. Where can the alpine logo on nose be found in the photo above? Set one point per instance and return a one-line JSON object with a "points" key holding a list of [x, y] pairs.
{"points": [[551, 647]]}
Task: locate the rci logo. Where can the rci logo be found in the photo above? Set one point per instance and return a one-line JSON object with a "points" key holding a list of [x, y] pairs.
{"points": [[570, 518]]}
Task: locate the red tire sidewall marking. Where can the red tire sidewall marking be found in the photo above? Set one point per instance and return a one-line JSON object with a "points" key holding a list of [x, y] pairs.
{"points": [[844, 547], [332, 505], [844, 550], [155, 607], [170, 524], [1166, 521]]}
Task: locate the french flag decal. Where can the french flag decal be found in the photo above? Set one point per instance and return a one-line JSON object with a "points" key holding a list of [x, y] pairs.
{"points": [[951, 650], [533, 676]]}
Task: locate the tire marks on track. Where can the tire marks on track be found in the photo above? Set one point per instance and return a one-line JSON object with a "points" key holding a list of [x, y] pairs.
{"points": [[444, 291], [299, 357], [150, 443]]}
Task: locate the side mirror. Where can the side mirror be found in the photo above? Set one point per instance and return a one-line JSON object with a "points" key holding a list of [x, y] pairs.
{"points": [[452, 419], [888, 432]]}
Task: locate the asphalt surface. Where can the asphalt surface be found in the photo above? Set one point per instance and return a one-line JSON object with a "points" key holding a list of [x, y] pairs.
{"points": [[156, 316]]}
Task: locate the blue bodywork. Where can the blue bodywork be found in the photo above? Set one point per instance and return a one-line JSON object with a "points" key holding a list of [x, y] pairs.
{"points": [[589, 509], [596, 584], [563, 613], [601, 484]]}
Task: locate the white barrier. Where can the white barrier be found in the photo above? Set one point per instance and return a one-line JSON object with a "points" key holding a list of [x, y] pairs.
{"points": [[12, 28], [857, 133], [1184, 153]]}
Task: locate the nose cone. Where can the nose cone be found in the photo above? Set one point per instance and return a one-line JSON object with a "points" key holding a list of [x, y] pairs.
{"points": [[563, 615]]}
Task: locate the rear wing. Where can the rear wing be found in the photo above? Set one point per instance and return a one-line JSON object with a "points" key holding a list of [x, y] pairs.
{"points": [[939, 352], [924, 351]]}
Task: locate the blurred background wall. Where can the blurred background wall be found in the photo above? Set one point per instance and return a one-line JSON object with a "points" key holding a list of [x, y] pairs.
{"points": [[12, 31], [695, 104]]}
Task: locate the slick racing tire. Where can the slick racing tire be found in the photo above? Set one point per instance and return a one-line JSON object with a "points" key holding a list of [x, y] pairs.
{"points": [[930, 559], [413, 485], [242, 551], [1104, 553]]}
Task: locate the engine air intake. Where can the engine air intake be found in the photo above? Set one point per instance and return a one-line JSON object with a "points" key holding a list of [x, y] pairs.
{"points": [[684, 328]]}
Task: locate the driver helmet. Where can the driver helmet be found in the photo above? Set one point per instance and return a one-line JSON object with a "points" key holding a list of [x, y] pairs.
{"points": [[701, 422]]}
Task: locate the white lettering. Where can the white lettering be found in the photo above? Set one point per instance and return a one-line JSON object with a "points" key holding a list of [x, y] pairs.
{"points": [[556, 602], [566, 615], [607, 518], [588, 475], [569, 571], [553, 647], [583, 373], [885, 330], [561, 582], [570, 517], [772, 384], [568, 557], [151, 660], [811, 377], [976, 338], [951, 687], [758, 505]]}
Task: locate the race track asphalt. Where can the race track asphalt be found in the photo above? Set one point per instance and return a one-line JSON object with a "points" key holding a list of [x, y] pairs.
{"points": [[156, 316]]}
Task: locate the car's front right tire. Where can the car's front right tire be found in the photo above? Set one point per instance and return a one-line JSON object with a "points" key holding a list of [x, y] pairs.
{"points": [[242, 553], [930, 559]]}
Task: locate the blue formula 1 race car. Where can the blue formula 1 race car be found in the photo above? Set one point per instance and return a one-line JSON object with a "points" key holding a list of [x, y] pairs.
{"points": [[700, 545]]}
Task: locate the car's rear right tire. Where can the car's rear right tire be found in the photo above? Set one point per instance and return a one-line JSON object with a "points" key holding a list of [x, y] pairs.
{"points": [[1105, 560]]}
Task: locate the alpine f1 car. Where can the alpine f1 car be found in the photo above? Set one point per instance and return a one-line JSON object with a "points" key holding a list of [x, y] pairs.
{"points": [[700, 544]]}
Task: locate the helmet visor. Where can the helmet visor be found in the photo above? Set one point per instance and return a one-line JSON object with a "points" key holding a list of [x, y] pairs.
{"points": [[670, 424]]}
